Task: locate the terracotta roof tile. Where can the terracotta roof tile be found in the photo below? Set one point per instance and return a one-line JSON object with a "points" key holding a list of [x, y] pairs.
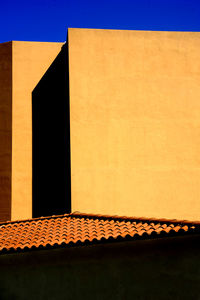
{"points": [[74, 229]]}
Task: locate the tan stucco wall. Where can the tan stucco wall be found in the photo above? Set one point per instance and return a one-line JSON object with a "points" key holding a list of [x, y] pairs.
{"points": [[135, 122], [5, 129], [30, 62]]}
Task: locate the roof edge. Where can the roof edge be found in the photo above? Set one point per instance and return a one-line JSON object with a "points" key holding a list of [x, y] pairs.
{"points": [[107, 217]]}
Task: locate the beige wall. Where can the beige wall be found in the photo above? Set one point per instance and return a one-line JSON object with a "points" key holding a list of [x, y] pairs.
{"points": [[30, 62], [135, 122], [5, 129]]}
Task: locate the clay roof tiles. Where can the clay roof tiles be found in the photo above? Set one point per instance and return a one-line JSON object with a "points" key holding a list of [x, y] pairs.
{"points": [[76, 229]]}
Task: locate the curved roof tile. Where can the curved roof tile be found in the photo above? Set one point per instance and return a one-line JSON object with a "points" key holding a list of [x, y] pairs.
{"points": [[77, 228]]}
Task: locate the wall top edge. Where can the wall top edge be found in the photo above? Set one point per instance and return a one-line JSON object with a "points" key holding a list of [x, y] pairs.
{"points": [[132, 30]]}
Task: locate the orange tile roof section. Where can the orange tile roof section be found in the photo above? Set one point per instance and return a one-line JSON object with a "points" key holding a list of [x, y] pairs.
{"points": [[77, 229]]}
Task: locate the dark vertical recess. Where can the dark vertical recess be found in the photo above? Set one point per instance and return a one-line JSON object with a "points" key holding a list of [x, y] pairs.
{"points": [[51, 140]]}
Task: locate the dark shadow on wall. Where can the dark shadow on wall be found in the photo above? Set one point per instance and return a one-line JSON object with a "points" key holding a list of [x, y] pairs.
{"points": [[51, 140]]}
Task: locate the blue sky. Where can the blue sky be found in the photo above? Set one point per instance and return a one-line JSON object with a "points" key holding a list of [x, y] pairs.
{"points": [[48, 20]]}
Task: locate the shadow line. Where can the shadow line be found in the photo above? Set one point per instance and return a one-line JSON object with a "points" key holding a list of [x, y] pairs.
{"points": [[51, 140]]}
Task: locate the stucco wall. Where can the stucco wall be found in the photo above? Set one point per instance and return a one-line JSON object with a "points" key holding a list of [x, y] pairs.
{"points": [[5, 129], [159, 269], [135, 122], [22, 65], [30, 61]]}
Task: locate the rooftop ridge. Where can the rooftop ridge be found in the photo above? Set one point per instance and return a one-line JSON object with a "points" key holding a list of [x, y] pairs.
{"points": [[34, 219], [107, 217], [142, 219]]}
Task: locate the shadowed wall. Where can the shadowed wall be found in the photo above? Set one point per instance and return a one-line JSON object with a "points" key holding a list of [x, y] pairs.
{"points": [[5, 130], [151, 269], [51, 140]]}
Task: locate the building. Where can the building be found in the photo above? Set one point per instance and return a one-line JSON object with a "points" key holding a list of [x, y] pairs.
{"points": [[114, 131], [22, 64]]}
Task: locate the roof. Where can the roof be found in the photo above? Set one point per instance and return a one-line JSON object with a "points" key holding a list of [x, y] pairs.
{"points": [[82, 229]]}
